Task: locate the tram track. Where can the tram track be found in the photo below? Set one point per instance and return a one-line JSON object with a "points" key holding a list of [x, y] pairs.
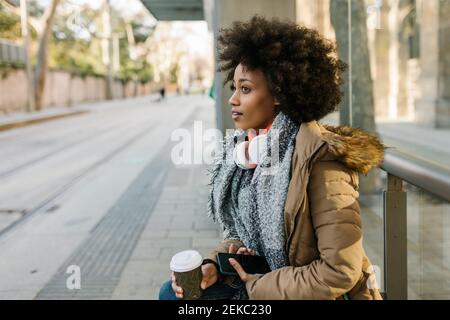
{"points": [[29, 213]]}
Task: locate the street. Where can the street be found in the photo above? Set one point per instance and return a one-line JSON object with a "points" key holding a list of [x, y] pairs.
{"points": [[99, 191]]}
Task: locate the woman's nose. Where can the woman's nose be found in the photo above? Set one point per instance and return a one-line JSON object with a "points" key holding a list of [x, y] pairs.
{"points": [[234, 101]]}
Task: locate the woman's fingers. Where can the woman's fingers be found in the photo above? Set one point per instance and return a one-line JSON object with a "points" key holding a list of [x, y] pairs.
{"points": [[242, 274], [242, 250], [246, 251], [209, 275], [206, 282], [178, 290]]}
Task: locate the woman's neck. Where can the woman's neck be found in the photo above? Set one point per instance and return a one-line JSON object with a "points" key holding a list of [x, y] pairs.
{"points": [[251, 132]]}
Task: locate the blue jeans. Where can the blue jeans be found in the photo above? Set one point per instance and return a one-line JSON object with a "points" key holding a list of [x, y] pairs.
{"points": [[218, 291]]}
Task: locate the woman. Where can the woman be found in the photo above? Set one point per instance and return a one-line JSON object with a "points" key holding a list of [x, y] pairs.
{"points": [[304, 216]]}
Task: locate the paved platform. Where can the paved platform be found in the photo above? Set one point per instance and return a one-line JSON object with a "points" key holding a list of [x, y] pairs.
{"points": [[122, 209], [123, 217], [128, 253]]}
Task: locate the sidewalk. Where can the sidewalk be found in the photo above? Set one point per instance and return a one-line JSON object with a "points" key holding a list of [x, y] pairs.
{"points": [[126, 255], [21, 119], [178, 222]]}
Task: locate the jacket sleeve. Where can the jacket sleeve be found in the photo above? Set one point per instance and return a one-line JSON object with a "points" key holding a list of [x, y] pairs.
{"points": [[337, 225], [223, 247]]}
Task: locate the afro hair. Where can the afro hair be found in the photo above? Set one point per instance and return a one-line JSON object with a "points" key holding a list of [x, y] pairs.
{"points": [[301, 67]]}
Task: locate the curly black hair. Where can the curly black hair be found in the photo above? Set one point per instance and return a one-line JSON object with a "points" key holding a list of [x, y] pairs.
{"points": [[301, 67]]}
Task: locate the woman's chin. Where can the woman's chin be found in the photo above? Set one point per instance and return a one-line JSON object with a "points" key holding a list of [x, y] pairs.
{"points": [[239, 125]]}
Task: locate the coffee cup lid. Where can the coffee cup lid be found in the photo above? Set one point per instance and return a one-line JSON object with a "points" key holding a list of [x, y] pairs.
{"points": [[185, 261]]}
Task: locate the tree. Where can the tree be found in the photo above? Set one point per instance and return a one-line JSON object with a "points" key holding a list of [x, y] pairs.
{"points": [[74, 46], [9, 10], [174, 72], [357, 107], [42, 63], [9, 25], [361, 94]]}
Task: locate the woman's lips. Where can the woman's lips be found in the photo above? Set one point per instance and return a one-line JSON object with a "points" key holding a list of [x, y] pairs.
{"points": [[235, 115]]}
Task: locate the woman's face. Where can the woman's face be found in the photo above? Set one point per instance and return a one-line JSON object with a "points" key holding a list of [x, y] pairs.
{"points": [[252, 104]]}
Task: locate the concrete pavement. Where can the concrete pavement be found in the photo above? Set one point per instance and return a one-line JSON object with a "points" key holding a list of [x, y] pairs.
{"points": [[99, 192], [178, 222], [120, 221]]}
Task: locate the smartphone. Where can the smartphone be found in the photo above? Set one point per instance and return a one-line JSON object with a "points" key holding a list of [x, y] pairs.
{"points": [[250, 264]]}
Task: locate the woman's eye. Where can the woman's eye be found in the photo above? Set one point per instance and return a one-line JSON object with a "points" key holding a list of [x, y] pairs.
{"points": [[245, 90], [232, 88]]}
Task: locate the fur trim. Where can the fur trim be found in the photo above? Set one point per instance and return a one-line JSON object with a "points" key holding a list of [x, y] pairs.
{"points": [[358, 150]]}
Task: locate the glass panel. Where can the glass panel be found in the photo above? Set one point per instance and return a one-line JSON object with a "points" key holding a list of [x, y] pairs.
{"points": [[428, 245], [398, 87], [398, 80], [410, 68], [371, 203], [428, 236]]}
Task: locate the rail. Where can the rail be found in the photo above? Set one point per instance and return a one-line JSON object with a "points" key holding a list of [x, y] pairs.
{"points": [[427, 176]]}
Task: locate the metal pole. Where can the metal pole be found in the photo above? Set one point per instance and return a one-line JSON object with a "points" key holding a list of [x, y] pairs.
{"points": [[26, 45], [395, 240], [350, 63]]}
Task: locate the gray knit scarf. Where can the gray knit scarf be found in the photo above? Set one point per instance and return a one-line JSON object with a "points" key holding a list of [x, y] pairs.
{"points": [[249, 204]]}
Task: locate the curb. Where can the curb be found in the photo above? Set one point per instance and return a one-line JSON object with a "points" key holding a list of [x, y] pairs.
{"points": [[27, 122]]}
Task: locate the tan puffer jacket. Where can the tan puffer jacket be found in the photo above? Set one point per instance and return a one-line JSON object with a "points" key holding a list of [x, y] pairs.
{"points": [[322, 219]]}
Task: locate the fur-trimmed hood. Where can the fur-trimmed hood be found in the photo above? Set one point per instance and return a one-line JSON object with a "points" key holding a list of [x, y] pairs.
{"points": [[358, 150], [322, 218]]}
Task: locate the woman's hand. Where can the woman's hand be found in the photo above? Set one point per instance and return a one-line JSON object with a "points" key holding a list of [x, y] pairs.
{"points": [[241, 250], [242, 274], [236, 265], [178, 290], [209, 277], [209, 272]]}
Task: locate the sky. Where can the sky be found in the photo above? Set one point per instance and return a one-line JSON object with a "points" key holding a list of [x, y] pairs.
{"points": [[195, 32]]}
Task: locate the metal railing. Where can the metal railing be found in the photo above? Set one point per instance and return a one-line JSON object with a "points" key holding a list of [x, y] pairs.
{"points": [[432, 178]]}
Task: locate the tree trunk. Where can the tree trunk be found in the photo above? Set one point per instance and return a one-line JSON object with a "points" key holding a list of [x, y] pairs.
{"points": [[41, 65], [357, 107], [360, 106], [107, 48]]}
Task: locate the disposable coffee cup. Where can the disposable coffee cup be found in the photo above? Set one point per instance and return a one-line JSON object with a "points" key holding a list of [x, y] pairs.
{"points": [[186, 265]]}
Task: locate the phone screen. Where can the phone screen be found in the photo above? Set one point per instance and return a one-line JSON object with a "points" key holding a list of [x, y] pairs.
{"points": [[250, 264]]}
